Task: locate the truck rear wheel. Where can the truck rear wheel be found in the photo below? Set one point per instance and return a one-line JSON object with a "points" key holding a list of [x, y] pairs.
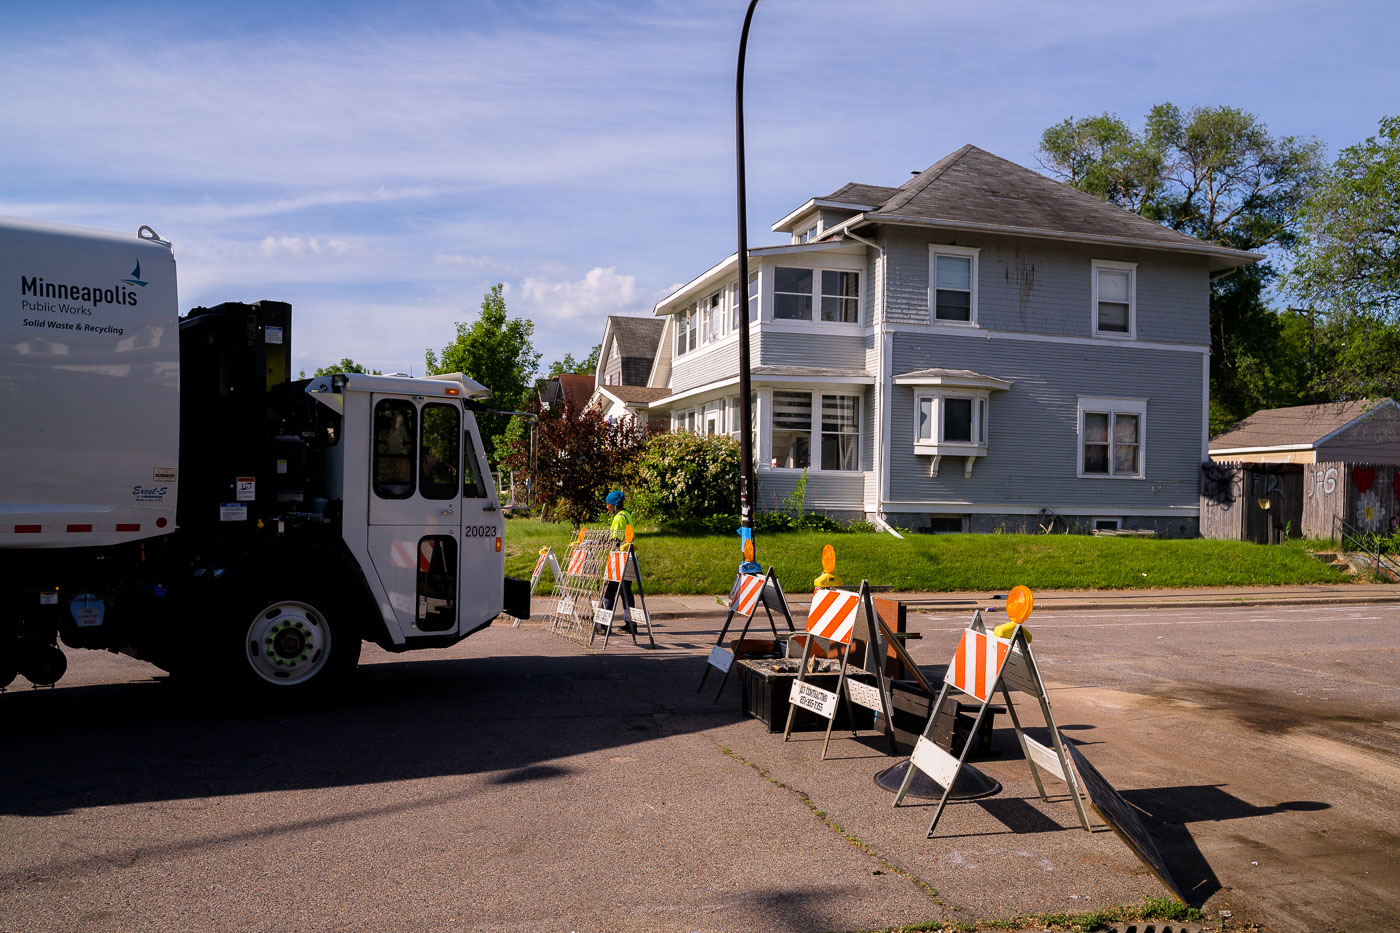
{"points": [[300, 644]]}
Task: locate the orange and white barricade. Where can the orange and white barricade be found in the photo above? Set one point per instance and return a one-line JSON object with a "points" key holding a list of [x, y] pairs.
{"points": [[578, 588], [750, 590], [983, 664], [546, 561], [834, 618], [622, 568]]}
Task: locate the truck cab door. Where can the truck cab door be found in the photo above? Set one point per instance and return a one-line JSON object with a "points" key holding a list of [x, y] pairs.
{"points": [[414, 518], [435, 529], [483, 530]]}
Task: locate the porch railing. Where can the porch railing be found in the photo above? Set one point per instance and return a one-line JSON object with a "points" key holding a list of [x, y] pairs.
{"points": [[1350, 538]]}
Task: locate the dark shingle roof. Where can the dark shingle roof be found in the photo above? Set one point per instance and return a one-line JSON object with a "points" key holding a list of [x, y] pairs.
{"points": [[973, 188], [855, 193], [1301, 424], [636, 336]]}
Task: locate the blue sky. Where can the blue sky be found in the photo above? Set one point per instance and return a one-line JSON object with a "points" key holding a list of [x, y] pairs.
{"points": [[382, 165]]}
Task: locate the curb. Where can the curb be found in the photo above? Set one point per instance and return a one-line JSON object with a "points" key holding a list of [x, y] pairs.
{"points": [[1085, 603]]}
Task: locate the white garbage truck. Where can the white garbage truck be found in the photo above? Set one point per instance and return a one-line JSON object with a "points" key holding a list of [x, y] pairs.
{"points": [[168, 491]]}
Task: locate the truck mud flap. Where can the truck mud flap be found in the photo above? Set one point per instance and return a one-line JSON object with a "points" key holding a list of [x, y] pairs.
{"points": [[516, 598]]}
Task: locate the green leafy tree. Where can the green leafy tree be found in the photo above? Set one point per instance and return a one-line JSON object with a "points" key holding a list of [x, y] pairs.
{"points": [[346, 365], [685, 476], [496, 351], [1215, 173], [568, 364], [1347, 267]]}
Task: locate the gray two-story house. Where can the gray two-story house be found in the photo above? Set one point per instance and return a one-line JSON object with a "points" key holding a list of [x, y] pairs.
{"points": [[980, 348]]}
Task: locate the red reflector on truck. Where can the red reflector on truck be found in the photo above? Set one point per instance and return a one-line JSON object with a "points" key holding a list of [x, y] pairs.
{"points": [[80, 528], [28, 529], [128, 527]]}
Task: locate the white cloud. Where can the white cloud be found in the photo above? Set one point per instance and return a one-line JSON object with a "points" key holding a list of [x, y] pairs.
{"points": [[275, 246], [589, 300]]}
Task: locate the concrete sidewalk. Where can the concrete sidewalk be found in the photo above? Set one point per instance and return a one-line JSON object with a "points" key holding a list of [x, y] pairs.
{"points": [[701, 607]]}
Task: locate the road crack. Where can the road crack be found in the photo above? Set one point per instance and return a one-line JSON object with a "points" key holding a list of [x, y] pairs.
{"points": [[836, 827]]}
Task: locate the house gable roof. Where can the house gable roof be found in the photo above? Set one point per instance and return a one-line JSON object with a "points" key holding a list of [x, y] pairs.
{"points": [[636, 336], [975, 190], [1299, 426]]}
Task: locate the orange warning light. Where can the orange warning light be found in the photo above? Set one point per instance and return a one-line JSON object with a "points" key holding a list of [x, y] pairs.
{"points": [[627, 535], [748, 549], [1019, 603], [828, 559]]}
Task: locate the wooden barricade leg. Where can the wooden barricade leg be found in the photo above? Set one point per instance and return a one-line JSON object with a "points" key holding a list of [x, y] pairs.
{"points": [[962, 760], [748, 620], [646, 614], [720, 641], [1021, 738], [840, 682], [801, 673]]}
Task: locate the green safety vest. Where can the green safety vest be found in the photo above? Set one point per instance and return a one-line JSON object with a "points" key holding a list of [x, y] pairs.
{"points": [[619, 524]]}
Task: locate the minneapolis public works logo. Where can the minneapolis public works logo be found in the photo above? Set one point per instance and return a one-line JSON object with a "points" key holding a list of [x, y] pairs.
{"points": [[135, 276]]}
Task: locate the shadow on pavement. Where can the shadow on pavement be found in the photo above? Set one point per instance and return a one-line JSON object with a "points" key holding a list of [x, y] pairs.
{"points": [[113, 744]]}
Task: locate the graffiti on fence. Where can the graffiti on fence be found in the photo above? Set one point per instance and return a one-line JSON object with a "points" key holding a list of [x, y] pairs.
{"points": [[1321, 482], [1222, 484]]}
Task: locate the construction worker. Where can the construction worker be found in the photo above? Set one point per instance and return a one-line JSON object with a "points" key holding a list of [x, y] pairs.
{"points": [[621, 518]]}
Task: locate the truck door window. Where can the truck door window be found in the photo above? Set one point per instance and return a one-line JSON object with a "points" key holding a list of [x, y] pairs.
{"points": [[472, 487], [437, 583], [395, 434], [442, 430]]}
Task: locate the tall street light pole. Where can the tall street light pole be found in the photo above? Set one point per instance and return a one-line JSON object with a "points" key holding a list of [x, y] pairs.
{"points": [[746, 477]]}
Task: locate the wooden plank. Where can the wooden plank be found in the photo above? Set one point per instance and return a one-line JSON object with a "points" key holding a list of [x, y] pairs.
{"points": [[1123, 819]]}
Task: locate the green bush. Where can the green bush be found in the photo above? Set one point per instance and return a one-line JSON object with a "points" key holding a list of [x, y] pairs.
{"points": [[683, 477]]}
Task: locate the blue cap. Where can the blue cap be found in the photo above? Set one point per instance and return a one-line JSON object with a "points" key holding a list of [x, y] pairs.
{"points": [[614, 498]]}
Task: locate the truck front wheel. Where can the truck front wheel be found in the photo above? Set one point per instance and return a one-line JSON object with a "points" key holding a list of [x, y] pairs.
{"points": [[293, 643]]}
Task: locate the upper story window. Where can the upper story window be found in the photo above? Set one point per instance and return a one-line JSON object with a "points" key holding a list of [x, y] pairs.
{"points": [[797, 291], [806, 234], [715, 321], [753, 300], [840, 296], [1111, 434], [687, 329], [1115, 285], [792, 294], [952, 274]]}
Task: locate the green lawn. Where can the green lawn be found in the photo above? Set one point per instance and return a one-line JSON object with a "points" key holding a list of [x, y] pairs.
{"points": [[681, 563]]}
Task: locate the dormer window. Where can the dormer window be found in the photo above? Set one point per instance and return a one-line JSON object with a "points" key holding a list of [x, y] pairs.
{"points": [[806, 235], [951, 413]]}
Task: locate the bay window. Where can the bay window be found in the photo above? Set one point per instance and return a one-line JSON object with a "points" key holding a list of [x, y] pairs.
{"points": [[793, 432], [951, 413], [834, 294], [792, 294]]}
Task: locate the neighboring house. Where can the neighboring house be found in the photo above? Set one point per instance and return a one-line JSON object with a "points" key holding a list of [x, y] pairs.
{"points": [[1367, 430], [625, 361], [573, 387], [960, 353]]}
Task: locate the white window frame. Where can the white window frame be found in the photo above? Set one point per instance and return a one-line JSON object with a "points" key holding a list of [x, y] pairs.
{"points": [[814, 430], [1129, 267], [1094, 404], [935, 443], [768, 291], [714, 327], [807, 233], [963, 252]]}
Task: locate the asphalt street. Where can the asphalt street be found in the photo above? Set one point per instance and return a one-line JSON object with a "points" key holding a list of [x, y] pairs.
{"points": [[520, 782]]}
